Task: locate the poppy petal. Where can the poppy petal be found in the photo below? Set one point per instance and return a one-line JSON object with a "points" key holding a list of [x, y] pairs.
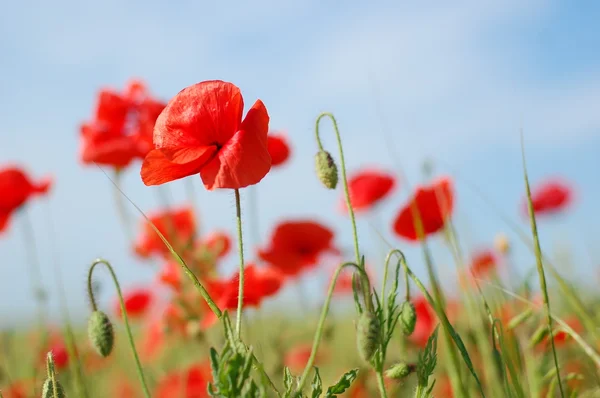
{"points": [[212, 110], [245, 159], [158, 169], [4, 217]]}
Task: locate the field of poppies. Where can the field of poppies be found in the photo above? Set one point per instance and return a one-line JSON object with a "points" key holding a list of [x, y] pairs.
{"points": [[401, 334]]}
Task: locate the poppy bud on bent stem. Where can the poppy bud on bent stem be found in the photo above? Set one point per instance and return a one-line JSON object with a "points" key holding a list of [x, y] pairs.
{"points": [[408, 318], [399, 371], [326, 169], [100, 333], [367, 335]]}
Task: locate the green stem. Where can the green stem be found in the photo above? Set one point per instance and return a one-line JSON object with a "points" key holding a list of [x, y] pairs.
{"points": [[253, 216], [365, 287], [321, 324], [240, 305], [125, 318], [540, 268], [121, 210], [381, 384], [35, 272]]}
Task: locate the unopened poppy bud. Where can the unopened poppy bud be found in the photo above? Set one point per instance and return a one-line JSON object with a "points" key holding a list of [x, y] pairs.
{"points": [[367, 335], [48, 389], [100, 333], [408, 318], [399, 371], [519, 319], [502, 244], [326, 169], [539, 335]]}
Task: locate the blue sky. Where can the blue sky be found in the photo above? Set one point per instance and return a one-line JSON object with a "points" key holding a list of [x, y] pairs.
{"points": [[453, 84]]}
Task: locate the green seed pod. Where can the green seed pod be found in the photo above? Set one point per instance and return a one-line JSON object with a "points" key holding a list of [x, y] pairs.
{"points": [[100, 333], [539, 335], [326, 169], [399, 371], [408, 318], [367, 335], [48, 389]]}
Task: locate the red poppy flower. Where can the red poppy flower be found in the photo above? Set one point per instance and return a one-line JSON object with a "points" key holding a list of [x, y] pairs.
{"points": [[15, 189], [297, 245], [125, 389], [434, 203], [177, 225], [190, 383], [153, 340], [483, 262], [137, 303], [297, 357], [426, 322], [170, 275], [218, 243], [367, 188], [279, 149], [100, 146], [19, 389], [259, 283], [201, 131], [561, 337], [550, 197]]}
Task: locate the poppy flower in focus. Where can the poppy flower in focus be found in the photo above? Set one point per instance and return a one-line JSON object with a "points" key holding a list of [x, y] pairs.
{"points": [[483, 262], [279, 149], [201, 131], [218, 243], [297, 245], [190, 383], [259, 283], [15, 189], [550, 197], [367, 188], [426, 322], [177, 225], [137, 302], [434, 203]]}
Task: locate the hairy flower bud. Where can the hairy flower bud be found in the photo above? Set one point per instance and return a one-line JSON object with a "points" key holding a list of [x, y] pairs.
{"points": [[367, 335], [326, 169], [408, 318], [100, 333], [399, 371], [48, 389]]}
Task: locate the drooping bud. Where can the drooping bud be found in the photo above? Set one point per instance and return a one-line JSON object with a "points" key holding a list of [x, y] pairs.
{"points": [[367, 335], [48, 390], [399, 371], [101, 333], [408, 318], [539, 335], [326, 169]]}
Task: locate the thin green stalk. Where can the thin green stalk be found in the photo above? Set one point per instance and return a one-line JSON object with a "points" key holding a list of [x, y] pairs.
{"points": [[321, 324], [540, 268], [240, 305], [253, 216], [125, 318], [381, 384], [35, 272], [121, 210], [365, 286]]}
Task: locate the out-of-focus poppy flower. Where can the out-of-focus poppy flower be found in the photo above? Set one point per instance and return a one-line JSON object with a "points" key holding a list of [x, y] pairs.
{"points": [[259, 283], [18, 389], [218, 243], [434, 203], [100, 146], [483, 262], [170, 275], [297, 245], [137, 303], [367, 188], [153, 340], [426, 322], [15, 190], [279, 149], [549, 197], [201, 131], [190, 383], [297, 357], [177, 225], [561, 337], [443, 387], [125, 389]]}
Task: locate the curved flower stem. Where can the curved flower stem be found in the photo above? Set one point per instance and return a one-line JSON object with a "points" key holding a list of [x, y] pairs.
{"points": [[365, 287], [321, 324], [238, 215], [381, 384], [540, 268], [125, 318]]}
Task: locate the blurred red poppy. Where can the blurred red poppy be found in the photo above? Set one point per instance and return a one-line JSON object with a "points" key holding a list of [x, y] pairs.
{"points": [[218, 243], [279, 149], [18, 389], [297, 245], [433, 204], [259, 283], [124, 388], [297, 356], [170, 275], [367, 188], [426, 322], [15, 189], [483, 262], [137, 303], [550, 197], [561, 337], [190, 383], [201, 131], [177, 225]]}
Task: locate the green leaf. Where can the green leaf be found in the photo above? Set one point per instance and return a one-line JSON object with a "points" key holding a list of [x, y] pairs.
{"points": [[214, 363], [288, 381], [342, 385], [317, 385]]}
